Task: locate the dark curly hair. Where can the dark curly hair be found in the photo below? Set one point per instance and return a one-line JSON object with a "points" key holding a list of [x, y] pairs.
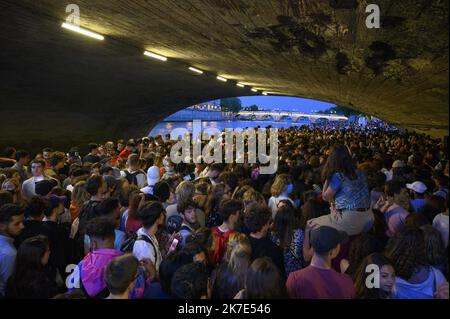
{"points": [[407, 251], [365, 245], [257, 216], [434, 247], [360, 277]]}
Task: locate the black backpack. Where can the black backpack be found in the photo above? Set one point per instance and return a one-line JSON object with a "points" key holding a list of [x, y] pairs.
{"points": [[132, 177], [87, 212], [127, 246]]}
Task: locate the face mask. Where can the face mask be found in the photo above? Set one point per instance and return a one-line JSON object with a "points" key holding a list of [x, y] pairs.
{"points": [[290, 188]]}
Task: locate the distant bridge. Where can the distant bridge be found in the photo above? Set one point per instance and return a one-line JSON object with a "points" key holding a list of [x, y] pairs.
{"points": [[293, 116]]}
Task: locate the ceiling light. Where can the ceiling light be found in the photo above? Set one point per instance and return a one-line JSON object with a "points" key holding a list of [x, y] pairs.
{"points": [[240, 85], [255, 90], [195, 70], [221, 79], [76, 28], [155, 56], [264, 93]]}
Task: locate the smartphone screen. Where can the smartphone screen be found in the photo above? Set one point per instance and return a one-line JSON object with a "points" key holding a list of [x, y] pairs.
{"points": [[174, 244]]}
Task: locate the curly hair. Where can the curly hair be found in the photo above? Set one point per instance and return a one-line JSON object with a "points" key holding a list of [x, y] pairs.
{"points": [[434, 246], [360, 277], [257, 217], [407, 251], [361, 248]]}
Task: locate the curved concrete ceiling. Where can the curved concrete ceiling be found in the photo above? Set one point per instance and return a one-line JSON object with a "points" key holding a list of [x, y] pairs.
{"points": [[59, 88]]}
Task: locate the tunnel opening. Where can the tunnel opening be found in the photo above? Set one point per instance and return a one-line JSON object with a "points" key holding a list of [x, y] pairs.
{"points": [[259, 111]]}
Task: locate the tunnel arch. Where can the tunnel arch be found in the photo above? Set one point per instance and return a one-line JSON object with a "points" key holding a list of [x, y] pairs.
{"points": [[85, 90]]}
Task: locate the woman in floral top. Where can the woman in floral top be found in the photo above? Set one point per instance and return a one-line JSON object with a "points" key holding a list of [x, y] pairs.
{"points": [[287, 234]]}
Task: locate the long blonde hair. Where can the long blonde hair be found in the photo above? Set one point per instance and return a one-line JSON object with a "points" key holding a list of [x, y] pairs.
{"points": [[80, 195], [235, 240], [238, 255], [280, 184]]}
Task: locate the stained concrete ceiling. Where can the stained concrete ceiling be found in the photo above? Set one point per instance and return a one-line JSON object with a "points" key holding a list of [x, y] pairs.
{"points": [[58, 88]]}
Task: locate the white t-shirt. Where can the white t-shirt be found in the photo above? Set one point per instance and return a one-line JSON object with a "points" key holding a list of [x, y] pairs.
{"points": [[440, 223], [424, 290], [143, 250]]}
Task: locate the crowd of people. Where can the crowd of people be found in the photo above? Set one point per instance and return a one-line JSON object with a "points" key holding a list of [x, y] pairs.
{"points": [[351, 212]]}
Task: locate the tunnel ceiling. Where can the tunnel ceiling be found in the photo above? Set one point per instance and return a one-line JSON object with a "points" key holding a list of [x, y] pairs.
{"points": [[60, 88]]}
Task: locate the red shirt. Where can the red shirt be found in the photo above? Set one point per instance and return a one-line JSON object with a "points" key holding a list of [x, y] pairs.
{"points": [[123, 155], [132, 225], [316, 283], [220, 244]]}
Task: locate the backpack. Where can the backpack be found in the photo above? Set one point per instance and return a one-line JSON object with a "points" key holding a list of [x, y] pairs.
{"points": [[132, 177], [174, 223], [127, 246], [87, 212]]}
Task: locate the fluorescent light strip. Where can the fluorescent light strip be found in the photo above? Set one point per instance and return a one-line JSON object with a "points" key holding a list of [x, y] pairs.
{"points": [[240, 85], [88, 33], [221, 79], [255, 90], [264, 93], [155, 56], [195, 70]]}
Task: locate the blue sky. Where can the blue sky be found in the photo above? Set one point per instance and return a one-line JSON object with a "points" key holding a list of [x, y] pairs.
{"points": [[285, 103]]}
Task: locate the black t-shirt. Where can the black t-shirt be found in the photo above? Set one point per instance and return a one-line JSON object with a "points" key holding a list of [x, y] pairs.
{"points": [[31, 228], [7, 164], [35, 284], [60, 246], [264, 247], [91, 158]]}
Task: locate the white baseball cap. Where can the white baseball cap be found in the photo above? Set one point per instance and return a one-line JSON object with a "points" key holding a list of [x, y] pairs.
{"points": [[418, 187], [153, 175]]}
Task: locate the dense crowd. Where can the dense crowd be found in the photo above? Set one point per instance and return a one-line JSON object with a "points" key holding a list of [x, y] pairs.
{"points": [[352, 212]]}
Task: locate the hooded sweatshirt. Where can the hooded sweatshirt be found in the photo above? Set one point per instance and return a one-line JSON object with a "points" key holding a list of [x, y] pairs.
{"points": [[92, 268]]}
